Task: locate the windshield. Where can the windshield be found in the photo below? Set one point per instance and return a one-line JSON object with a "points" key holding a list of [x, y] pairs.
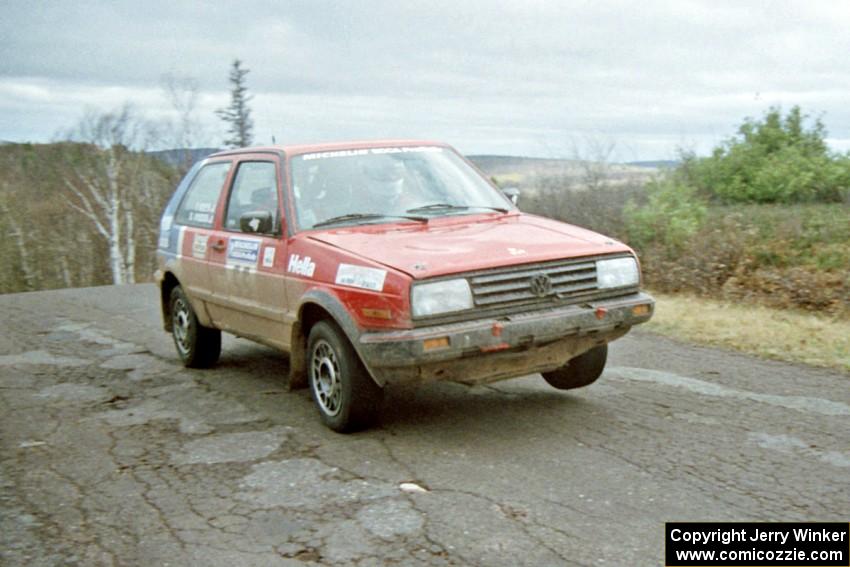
{"points": [[393, 184]]}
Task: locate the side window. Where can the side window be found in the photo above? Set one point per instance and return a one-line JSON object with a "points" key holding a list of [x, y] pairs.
{"points": [[254, 189], [198, 205]]}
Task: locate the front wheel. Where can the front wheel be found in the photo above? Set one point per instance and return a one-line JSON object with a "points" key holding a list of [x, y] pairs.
{"points": [[347, 397], [580, 371], [197, 346]]}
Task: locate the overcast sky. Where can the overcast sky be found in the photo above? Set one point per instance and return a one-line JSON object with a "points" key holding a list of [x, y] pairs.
{"points": [[516, 77]]}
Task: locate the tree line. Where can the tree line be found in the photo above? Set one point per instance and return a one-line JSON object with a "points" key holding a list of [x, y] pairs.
{"points": [[84, 211]]}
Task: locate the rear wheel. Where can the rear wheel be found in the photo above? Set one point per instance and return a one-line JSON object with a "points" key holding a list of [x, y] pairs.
{"points": [[580, 371], [347, 397], [197, 346]]}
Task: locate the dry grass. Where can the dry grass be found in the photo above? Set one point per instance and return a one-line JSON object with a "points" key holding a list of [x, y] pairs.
{"points": [[772, 333]]}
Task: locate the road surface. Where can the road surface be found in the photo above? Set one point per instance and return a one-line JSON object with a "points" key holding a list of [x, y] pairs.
{"points": [[112, 453]]}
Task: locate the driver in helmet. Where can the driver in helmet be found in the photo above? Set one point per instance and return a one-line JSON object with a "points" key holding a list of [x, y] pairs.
{"points": [[385, 190]]}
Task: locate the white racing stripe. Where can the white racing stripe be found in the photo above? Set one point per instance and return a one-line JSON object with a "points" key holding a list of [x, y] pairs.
{"points": [[795, 446], [799, 403], [181, 233]]}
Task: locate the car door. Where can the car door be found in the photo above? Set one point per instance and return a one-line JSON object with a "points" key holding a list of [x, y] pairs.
{"points": [[247, 259], [195, 217]]}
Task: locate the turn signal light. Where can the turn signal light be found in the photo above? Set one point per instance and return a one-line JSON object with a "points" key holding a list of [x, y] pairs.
{"points": [[642, 309], [431, 344], [377, 313]]}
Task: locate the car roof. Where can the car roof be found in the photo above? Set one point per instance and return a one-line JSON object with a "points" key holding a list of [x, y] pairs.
{"points": [[297, 149]]}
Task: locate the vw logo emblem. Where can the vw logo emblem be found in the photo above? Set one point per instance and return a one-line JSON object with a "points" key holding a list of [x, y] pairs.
{"points": [[541, 285]]}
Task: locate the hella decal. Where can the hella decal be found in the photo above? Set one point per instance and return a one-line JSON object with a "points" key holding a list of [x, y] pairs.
{"points": [[301, 266]]}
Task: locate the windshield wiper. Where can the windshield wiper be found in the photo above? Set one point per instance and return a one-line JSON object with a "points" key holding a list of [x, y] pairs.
{"points": [[366, 216], [450, 207]]}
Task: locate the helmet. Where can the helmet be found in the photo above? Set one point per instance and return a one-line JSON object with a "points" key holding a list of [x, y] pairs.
{"points": [[385, 176]]}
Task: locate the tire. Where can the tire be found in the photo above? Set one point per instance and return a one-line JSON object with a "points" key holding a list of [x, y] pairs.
{"points": [[197, 346], [346, 396], [581, 371]]}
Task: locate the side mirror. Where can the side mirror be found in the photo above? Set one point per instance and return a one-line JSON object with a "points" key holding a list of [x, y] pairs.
{"points": [[511, 193], [256, 221]]}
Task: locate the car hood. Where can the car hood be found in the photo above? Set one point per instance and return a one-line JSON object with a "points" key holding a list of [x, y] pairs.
{"points": [[451, 245]]}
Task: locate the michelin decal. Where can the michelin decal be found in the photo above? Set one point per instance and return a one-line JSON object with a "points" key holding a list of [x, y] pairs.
{"points": [[366, 151], [243, 251]]}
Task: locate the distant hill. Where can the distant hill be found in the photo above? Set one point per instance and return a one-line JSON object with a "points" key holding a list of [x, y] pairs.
{"points": [[506, 165], [526, 172], [657, 164], [519, 171]]}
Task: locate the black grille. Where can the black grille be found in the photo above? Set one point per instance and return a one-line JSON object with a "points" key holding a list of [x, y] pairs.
{"points": [[522, 284]]}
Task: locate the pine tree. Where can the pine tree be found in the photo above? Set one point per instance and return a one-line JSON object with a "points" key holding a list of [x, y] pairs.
{"points": [[237, 114]]}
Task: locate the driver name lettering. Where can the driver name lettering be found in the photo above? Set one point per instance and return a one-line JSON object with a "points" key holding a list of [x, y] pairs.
{"points": [[301, 266]]}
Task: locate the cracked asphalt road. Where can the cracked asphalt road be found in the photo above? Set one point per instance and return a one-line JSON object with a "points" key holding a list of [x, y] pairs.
{"points": [[113, 454]]}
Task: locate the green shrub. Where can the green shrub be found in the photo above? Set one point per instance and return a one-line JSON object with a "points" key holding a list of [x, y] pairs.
{"points": [[672, 214], [773, 160], [782, 255]]}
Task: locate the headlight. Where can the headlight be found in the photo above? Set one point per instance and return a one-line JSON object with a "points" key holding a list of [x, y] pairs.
{"points": [[619, 272], [440, 297]]}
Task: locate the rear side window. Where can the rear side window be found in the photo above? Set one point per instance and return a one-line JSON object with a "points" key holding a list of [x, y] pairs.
{"points": [[254, 189], [198, 206]]}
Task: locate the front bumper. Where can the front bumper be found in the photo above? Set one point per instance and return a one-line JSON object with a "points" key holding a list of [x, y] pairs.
{"points": [[486, 350]]}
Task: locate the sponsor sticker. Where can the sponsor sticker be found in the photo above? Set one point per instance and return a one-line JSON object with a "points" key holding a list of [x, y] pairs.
{"points": [[301, 266], [243, 251], [363, 152], [361, 276], [340, 153], [199, 246], [407, 150], [268, 256]]}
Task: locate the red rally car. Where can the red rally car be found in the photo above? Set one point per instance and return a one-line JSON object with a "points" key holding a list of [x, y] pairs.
{"points": [[374, 263]]}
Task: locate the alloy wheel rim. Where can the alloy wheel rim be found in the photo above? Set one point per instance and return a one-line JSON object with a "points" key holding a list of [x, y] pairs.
{"points": [[324, 369], [181, 324]]}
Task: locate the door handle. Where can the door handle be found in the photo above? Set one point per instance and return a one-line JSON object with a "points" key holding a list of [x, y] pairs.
{"points": [[218, 245]]}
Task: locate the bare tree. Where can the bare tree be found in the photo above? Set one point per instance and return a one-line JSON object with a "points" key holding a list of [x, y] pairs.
{"points": [[19, 238], [594, 160], [182, 94], [104, 183], [237, 115]]}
